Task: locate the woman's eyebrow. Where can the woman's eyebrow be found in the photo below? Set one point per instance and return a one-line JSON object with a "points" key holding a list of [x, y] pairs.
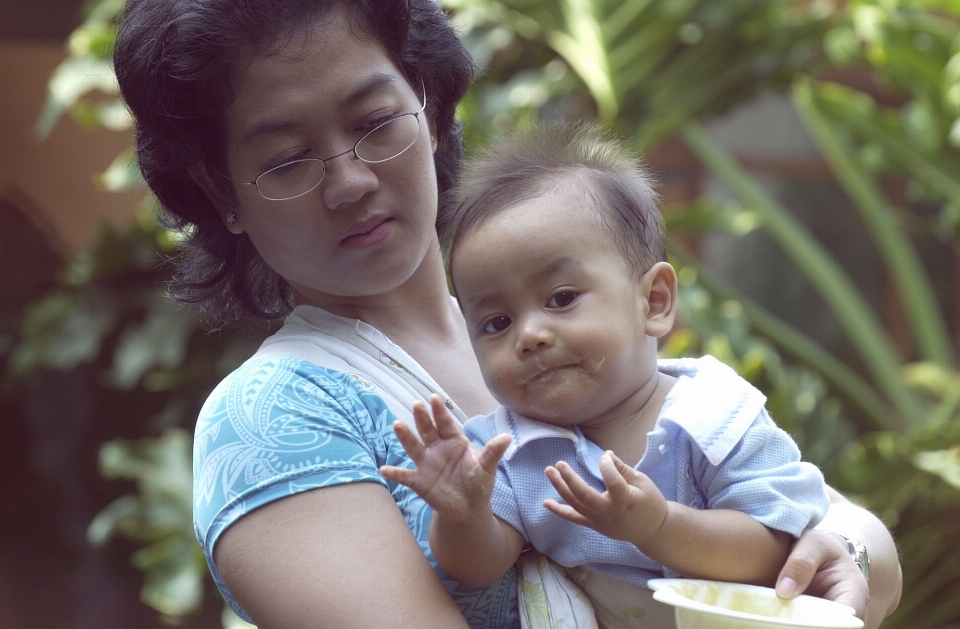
{"points": [[374, 84]]}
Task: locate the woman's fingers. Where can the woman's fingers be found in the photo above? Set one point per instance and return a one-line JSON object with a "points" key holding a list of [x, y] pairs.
{"points": [[819, 564]]}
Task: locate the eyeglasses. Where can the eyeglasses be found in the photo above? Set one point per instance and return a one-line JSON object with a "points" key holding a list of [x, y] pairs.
{"points": [[382, 143]]}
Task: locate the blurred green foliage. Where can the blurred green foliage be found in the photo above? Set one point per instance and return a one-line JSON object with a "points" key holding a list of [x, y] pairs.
{"points": [[886, 430]]}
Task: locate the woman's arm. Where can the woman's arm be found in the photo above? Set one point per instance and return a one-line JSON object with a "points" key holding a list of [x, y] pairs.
{"points": [[819, 563], [340, 556]]}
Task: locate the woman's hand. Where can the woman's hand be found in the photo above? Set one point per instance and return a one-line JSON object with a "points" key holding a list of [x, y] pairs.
{"points": [[452, 475], [632, 509], [820, 565]]}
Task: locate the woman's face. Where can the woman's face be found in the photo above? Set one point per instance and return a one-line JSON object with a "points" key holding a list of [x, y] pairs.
{"points": [[367, 228]]}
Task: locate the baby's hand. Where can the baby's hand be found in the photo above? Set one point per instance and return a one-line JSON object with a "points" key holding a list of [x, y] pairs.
{"points": [[632, 509], [452, 475]]}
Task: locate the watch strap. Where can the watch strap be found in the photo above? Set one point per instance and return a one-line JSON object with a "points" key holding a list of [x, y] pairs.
{"points": [[858, 552]]}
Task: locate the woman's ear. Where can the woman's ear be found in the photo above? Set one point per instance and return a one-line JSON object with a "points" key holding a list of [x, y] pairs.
{"points": [[225, 207], [659, 288]]}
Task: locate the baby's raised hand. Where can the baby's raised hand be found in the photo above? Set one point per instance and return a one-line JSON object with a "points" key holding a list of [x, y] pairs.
{"points": [[632, 509], [451, 475]]}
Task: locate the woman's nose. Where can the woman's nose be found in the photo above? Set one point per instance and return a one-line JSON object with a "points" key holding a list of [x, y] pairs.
{"points": [[346, 181]]}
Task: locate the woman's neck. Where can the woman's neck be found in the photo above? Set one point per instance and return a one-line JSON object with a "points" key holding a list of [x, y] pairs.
{"points": [[421, 302], [422, 318]]}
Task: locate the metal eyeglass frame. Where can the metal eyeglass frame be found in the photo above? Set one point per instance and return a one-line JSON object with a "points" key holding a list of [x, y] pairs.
{"points": [[415, 114]]}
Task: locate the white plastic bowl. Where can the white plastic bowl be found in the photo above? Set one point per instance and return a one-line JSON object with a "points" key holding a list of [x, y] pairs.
{"points": [[702, 604]]}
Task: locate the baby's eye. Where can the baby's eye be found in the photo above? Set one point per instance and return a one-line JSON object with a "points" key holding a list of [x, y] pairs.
{"points": [[496, 324], [562, 299]]}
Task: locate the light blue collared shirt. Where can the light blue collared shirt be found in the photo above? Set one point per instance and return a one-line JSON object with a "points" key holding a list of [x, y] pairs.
{"points": [[713, 447]]}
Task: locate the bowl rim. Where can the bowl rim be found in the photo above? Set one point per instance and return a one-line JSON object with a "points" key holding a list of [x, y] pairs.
{"points": [[663, 592]]}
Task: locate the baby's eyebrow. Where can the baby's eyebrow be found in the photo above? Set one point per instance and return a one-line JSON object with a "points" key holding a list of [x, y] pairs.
{"points": [[561, 263], [538, 273]]}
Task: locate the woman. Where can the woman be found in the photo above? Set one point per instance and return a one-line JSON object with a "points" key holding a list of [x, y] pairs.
{"points": [[302, 146]]}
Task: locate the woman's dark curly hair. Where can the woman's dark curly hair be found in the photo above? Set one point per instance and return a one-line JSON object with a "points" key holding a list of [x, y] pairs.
{"points": [[173, 60]]}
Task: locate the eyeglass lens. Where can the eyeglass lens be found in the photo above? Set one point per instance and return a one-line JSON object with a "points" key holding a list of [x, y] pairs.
{"points": [[299, 177]]}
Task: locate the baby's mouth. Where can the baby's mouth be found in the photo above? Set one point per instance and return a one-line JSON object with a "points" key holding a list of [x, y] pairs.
{"points": [[544, 370]]}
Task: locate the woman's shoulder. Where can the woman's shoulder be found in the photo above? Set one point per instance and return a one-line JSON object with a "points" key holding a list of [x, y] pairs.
{"points": [[276, 424], [260, 383]]}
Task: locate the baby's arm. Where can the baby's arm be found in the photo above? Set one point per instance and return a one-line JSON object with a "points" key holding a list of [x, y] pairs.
{"points": [[719, 544], [471, 544]]}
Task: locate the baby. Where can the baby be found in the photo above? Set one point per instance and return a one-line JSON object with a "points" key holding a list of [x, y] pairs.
{"points": [[602, 455]]}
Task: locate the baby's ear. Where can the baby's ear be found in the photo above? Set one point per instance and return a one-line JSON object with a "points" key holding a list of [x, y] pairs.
{"points": [[659, 287]]}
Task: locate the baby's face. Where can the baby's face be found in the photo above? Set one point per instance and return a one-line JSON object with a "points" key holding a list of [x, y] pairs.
{"points": [[556, 317]]}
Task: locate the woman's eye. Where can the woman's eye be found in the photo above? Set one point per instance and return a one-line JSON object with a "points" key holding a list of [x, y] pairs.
{"points": [[562, 299], [286, 161], [496, 324], [378, 122], [290, 169]]}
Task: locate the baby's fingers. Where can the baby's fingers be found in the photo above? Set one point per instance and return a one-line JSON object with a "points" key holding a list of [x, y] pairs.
{"points": [[614, 472], [492, 452], [399, 475], [425, 425], [625, 485], [573, 489], [447, 426], [408, 440], [565, 511]]}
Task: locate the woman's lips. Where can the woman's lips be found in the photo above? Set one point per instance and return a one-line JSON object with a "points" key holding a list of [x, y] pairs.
{"points": [[368, 233]]}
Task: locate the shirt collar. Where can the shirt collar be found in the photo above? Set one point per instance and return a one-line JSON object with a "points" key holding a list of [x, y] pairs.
{"points": [[524, 430], [705, 388]]}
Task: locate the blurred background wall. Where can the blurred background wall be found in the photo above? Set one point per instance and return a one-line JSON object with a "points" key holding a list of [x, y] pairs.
{"points": [[50, 210]]}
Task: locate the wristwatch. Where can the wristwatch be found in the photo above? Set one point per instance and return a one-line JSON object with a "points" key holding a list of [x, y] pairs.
{"points": [[858, 552]]}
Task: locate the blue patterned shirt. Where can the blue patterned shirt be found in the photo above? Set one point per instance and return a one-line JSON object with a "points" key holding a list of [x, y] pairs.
{"points": [[278, 426]]}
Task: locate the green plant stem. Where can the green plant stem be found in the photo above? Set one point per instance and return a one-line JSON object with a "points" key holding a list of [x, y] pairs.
{"points": [[841, 377], [582, 46], [839, 292], [929, 171], [913, 284]]}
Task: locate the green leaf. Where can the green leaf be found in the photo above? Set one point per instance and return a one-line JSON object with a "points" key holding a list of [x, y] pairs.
{"points": [[822, 270], [160, 341], [912, 281], [122, 174], [109, 520], [943, 463], [62, 331], [72, 79], [846, 381]]}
